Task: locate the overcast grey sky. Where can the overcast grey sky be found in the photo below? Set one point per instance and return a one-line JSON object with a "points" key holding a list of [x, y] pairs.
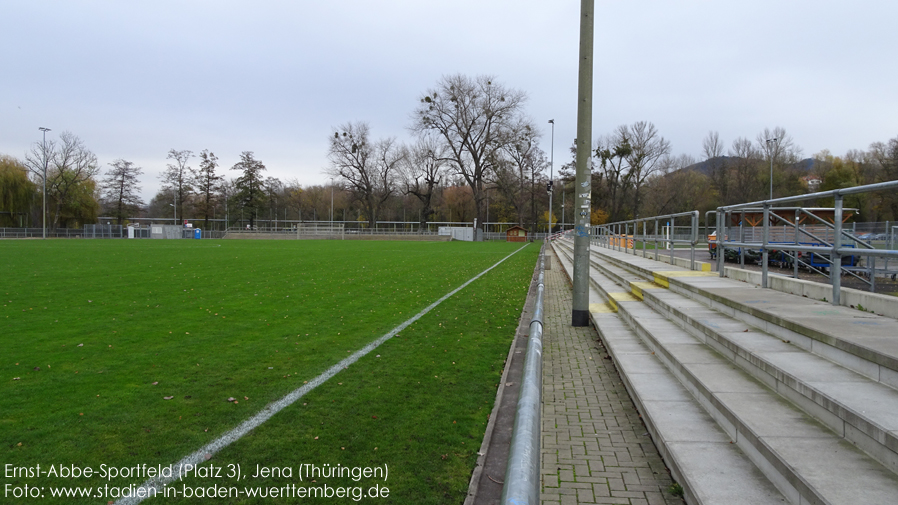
{"points": [[134, 79]]}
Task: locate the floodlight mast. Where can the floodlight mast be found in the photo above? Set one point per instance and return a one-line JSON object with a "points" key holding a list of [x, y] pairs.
{"points": [[582, 192], [551, 174], [44, 150], [770, 153]]}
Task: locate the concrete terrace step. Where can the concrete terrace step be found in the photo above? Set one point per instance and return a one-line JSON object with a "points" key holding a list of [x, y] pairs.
{"points": [[699, 453], [805, 459], [843, 397], [859, 340]]}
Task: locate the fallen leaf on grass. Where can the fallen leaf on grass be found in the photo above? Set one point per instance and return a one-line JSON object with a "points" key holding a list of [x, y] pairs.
{"points": [[231, 399], [167, 397]]}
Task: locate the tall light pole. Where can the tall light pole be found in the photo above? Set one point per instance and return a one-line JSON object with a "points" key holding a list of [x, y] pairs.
{"points": [[551, 173], [582, 193], [770, 153], [44, 149]]}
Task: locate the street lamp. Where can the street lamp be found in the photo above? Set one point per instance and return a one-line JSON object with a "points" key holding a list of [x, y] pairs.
{"points": [[770, 152], [44, 149], [551, 173]]}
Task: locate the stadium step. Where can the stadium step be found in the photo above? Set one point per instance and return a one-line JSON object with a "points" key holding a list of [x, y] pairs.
{"points": [[820, 431], [698, 452]]}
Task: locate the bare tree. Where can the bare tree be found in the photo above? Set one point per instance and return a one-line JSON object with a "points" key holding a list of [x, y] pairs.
{"points": [[783, 152], [422, 171], [120, 189], [647, 147], [71, 168], [884, 158], [368, 167], [473, 118], [177, 177], [227, 194], [746, 165], [273, 190], [609, 148], [525, 163], [718, 171], [206, 182]]}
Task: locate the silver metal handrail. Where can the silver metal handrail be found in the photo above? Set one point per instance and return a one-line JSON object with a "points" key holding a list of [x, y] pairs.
{"points": [[836, 250], [616, 235], [522, 477]]}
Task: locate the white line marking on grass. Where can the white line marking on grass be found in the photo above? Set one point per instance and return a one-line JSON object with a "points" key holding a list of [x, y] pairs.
{"points": [[154, 487]]}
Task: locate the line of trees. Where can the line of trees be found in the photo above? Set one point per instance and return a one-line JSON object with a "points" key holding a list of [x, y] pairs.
{"points": [[473, 154], [742, 173], [472, 138]]}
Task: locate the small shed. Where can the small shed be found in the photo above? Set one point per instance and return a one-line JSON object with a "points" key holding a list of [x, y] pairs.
{"points": [[516, 234]]}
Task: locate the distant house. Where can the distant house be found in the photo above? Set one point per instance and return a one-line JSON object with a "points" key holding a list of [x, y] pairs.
{"points": [[812, 182]]}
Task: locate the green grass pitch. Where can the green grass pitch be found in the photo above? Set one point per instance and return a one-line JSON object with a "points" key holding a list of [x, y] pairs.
{"points": [[125, 353]]}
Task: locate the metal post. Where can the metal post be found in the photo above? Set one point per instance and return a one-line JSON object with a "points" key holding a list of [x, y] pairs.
{"points": [[771, 164], [719, 240], [835, 273], [44, 205], [888, 246], [583, 196], [656, 240], [551, 174], [645, 226], [764, 245], [797, 240], [694, 240], [672, 236], [742, 239], [872, 273]]}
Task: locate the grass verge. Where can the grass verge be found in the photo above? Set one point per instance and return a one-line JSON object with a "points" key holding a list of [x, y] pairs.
{"points": [[206, 321]]}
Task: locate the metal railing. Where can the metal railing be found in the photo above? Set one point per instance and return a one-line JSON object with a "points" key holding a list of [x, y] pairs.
{"points": [[831, 252], [522, 480], [618, 235]]}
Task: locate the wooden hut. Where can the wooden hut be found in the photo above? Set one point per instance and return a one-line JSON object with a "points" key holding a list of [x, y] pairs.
{"points": [[516, 234]]}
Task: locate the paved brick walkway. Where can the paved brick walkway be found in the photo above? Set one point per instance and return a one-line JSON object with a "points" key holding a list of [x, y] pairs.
{"points": [[595, 449]]}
